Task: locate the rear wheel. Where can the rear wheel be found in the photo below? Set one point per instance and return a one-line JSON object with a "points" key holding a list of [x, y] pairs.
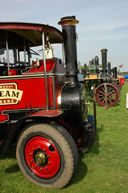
{"points": [[89, 135], [47, 155], [85, 135]]}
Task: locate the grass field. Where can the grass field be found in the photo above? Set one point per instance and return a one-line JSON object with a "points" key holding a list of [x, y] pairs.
{"points": [[103, 170]]}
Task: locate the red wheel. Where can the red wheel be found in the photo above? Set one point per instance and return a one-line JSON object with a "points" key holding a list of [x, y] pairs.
{"points": [[39, 154], [107, 94], [47, 155], [119, 84]]}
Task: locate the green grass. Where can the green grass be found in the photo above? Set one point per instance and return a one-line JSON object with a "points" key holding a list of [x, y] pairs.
{"points": [[103, 170]]}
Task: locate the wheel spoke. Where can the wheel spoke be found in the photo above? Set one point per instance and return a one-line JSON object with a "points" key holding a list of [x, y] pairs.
{"points": [[103, 89], [101, 92], [109, 101], [112, 92], [103, 101], [99, 95]]}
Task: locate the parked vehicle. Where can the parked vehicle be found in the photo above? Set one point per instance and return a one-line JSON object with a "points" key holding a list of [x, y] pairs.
{"points": [[102, 84], [43, 106]]}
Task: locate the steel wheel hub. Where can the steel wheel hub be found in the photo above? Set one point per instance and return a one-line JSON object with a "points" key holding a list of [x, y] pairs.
{"points": [[40, 158]]}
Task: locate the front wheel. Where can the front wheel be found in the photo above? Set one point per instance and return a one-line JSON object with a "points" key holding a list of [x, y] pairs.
{"points": [[47, 155], [107, 94]]}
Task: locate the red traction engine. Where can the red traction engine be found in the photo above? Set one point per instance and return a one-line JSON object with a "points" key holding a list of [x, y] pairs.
{"points": [[43, 106]]}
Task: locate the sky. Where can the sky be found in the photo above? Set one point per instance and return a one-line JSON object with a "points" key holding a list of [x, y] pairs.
{"points": [[102, 24]]}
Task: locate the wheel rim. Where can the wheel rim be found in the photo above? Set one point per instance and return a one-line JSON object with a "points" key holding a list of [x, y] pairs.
{"points": [[117, 85], [107, 94], [42, 157]]}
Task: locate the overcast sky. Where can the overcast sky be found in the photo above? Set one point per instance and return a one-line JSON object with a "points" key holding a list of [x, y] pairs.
{"points": [[103, 24]]}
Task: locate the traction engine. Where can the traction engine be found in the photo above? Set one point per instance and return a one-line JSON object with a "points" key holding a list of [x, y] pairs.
{"points": [[103, 86], [43, 106]]}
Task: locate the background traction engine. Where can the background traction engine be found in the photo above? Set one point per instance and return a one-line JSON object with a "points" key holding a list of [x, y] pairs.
{"points": [[51, 121], [106, 91]]}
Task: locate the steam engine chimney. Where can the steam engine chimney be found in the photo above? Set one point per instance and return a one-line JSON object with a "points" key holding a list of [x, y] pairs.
{"points": [[69, 35], [96, 59], [115, 72], [106, 77], [72, 98], [109, 67], [104, 61]]}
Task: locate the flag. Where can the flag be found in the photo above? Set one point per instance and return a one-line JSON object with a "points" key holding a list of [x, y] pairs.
{"points": [[120, 66]]}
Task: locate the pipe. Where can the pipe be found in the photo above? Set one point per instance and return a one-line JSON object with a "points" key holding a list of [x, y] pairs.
{"points": [[69, 35]]}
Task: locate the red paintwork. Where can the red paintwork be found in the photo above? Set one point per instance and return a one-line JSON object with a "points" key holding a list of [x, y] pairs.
{"points": [[13, 72], [52, 158], [20, 26], [122, 81], [25, 91], [49, 66], [52, 65], [47, 113], [32, 85], [33, 96]]}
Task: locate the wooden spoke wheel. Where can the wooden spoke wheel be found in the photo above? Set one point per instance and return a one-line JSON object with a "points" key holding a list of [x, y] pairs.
{"points": [[119, 84], [107, 94]]}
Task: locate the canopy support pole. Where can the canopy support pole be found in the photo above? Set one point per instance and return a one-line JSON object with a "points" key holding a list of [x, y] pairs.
{"points": [[45, 71], [7, 50]]}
